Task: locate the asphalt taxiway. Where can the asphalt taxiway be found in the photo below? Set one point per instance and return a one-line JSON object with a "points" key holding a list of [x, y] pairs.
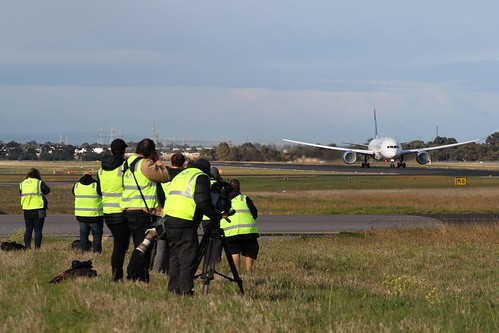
{"points": [[375, 169], [66, 225]]}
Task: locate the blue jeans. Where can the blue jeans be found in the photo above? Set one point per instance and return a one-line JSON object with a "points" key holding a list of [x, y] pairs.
{"points": [[97, 231], [37, 225]]}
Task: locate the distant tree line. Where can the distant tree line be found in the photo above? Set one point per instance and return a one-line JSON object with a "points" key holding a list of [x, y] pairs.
{"points": [[488, 151]]}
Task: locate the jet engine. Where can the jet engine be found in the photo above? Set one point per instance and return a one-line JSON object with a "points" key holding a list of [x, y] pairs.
{"points": [[350, 157], [422, 157]]}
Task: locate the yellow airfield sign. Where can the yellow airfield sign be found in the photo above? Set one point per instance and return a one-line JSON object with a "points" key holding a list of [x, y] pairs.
{"points": [[461, 181]]}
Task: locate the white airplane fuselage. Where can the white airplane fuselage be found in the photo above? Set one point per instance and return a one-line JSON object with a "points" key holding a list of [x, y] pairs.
{"points": [[385, 149]]}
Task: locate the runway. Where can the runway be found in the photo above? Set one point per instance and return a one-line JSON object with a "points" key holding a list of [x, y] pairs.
{"points": [[66, 225], [379, 169]]}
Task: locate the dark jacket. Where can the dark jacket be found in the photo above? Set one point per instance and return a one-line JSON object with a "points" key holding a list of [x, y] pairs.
{"points": [[111, 162], [249, 202], [34, 214], [202, 198], [254, 213], [87, 179]]}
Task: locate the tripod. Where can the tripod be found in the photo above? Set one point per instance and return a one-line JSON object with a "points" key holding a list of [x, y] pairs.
{"points": [[208, 253]]}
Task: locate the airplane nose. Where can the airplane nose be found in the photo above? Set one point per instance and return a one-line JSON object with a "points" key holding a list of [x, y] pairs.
{"points": [[391, 153]]}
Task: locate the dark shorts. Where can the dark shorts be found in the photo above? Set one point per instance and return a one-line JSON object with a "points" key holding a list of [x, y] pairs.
{"points": [[246, 247]]}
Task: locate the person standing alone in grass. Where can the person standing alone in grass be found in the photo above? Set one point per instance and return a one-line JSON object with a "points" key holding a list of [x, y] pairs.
{"points": [[34, 205], [241, 233]]}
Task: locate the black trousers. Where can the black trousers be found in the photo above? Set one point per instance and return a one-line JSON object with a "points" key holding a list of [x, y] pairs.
{"points": [[184, 244], [138, 222], [121, 242]]}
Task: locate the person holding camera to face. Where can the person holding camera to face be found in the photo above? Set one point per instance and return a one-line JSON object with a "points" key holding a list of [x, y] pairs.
{"points": [[188, 198], [140, 199], [110, 177], [160, 257]]}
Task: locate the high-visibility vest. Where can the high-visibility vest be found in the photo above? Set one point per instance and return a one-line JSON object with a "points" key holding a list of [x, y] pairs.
{"points": [[111, 184], [31, 194], [242, 222], [131, 197], [88, 202], [180, 194]]}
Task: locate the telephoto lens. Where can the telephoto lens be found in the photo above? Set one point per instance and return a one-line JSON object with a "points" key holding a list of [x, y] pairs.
{"points": [[150, 234]]}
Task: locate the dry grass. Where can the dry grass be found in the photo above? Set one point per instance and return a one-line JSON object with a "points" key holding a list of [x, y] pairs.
{"points": [[424, 280], [374, 201]]}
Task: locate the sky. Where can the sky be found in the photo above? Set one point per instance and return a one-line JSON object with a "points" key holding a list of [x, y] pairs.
{"points": [[248, 71]]}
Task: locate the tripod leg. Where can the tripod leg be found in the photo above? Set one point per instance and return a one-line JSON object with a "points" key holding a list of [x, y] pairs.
{"points": [[232, 265], [201, 250], [209, 263]]}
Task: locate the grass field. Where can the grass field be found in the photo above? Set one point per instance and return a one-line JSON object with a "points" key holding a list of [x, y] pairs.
{"points": [[422, 280], [427, 280], [293, 193]]}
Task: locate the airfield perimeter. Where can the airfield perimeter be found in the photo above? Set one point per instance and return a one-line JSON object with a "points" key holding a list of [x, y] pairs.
{"points": [[63, 224]]}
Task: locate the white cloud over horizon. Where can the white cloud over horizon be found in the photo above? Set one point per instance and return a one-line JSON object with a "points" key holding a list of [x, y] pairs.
{"points": [[250, 71]]}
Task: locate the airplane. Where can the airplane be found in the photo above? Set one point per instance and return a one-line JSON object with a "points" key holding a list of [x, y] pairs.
{"points": [[383, 149]]}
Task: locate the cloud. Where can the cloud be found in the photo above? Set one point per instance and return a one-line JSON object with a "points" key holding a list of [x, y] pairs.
{"points": [[250, 70]]}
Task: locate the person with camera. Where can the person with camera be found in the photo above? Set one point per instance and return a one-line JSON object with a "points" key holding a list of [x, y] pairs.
{"points": [[140, 199], [88, 212], [241, 233], [188, 198], [34, 205], [160, 257], [110, 178]]}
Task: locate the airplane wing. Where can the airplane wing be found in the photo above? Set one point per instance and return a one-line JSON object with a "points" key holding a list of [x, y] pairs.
{"points": [[358, 151], [416, 150]]}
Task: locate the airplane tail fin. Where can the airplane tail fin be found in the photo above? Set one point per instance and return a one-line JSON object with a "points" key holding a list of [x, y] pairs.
{"points": [[375, 125]]}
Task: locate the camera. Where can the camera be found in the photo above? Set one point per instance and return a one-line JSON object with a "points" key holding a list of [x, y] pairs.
{"points": [[219, 193], [148, 240]]}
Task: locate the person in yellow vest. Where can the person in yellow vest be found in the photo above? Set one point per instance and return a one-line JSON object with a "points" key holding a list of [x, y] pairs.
{"points": [[110, 178], [242, 233], [34, 205], [88, 212], [160, 257], [140, 199], [187, 200]]}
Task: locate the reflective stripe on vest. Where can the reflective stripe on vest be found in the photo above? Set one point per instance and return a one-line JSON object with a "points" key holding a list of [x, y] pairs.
{"points": [[180, 194], [111, 184], [242, 222], [131, 197], [31, 194], [87, 201]]}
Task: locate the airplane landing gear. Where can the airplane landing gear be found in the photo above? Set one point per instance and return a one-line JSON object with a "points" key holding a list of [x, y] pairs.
{"points": [[366, 164]]}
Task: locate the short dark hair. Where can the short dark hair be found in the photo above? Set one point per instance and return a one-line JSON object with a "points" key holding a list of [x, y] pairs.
{"points": [[234, 183], [177, 160], [34, 173], [118, 147], [146, 147]]}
